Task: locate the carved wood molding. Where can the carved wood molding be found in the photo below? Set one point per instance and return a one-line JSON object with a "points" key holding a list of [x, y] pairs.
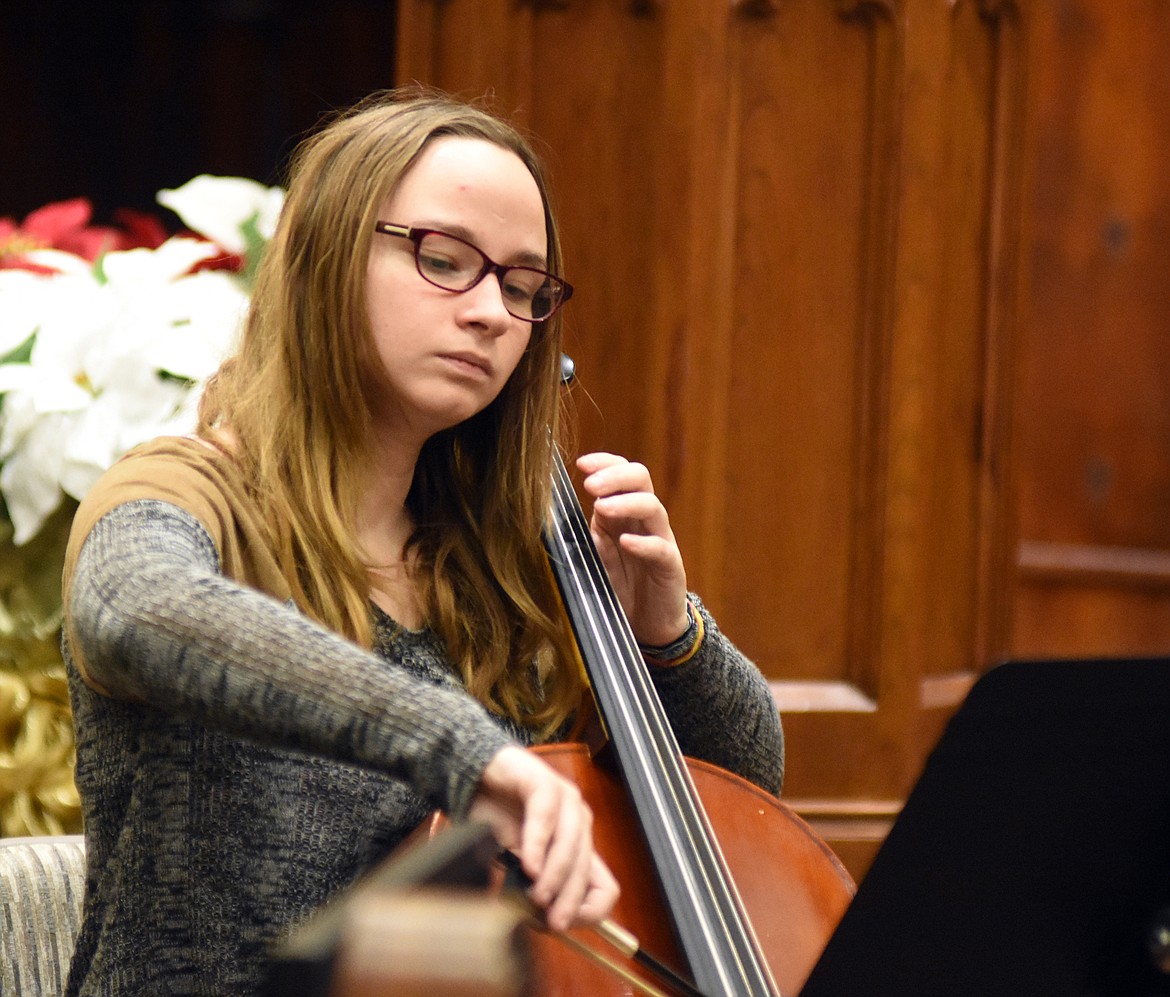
{"points": [[639, 8], [755, 8], [846, 8], [815, 696], [847, 809], [871, 454], [994, 9], [645, 8], [850, 9], [1004, 20], [1093, 564]]}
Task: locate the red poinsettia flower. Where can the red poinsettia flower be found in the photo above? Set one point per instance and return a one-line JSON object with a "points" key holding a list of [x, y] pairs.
{"points": [[65, 225], [231, 262], [139, 229]]}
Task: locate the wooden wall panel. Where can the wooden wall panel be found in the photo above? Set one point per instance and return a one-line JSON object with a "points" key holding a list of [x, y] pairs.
{"points": [[599, 126], [784, 219], [797, 506], [969, 222], [1094, 374], [1078, 617], [876, 288], [600, 123], [960, 347], [799, 422]]}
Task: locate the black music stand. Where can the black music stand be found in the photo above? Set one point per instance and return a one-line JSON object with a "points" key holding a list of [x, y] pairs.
{"points": [[1033, 855]]}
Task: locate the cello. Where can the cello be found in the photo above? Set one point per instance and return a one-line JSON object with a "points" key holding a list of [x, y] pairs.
{"points": [[720, 880]]}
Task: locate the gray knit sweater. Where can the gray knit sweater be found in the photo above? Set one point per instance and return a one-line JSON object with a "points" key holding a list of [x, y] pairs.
{"points": [[242, 763]]}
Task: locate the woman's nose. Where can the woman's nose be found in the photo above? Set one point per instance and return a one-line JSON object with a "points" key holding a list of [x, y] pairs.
{"points": [[484, 303]]}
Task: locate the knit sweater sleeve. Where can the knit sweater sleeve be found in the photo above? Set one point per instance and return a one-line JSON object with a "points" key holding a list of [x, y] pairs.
{"points": [[722, 710], [155, 622]]}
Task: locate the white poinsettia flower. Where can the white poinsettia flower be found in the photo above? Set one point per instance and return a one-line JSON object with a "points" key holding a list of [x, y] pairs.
{"points": [[120, 354], [137, 408], [60, 261], [72, 319], [22, 293], [140, 269], [218, 208], [23, 298], [208, 310], [155, 310], [45, 397], [29, 477], [26, 298], [122, 347]]}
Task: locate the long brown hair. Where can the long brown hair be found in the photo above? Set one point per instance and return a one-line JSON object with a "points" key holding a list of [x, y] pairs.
{"points": [[291, 401]]}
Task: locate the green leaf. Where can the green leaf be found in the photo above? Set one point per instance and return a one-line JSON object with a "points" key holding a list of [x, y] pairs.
{"points": [[22, 353], [166, 375], [254, 244]]}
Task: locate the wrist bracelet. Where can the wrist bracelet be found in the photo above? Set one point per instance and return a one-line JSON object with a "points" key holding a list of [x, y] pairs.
{"points": [[680, 650]]}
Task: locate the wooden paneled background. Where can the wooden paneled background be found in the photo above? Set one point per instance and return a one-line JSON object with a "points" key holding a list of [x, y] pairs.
{"points": [[879, 290]]}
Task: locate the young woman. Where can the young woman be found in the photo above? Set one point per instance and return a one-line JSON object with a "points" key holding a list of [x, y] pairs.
{"points": [[327, 613]]}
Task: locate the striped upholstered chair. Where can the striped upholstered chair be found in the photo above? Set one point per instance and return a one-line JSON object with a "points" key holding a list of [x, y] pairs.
{"points": [[41, 885]]}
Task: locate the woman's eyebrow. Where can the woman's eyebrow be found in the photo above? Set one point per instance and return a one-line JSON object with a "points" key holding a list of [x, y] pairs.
{"points": [[527, 258]]}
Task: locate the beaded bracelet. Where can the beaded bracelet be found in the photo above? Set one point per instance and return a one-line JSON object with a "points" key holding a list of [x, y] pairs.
{"points": [[680, 650]]}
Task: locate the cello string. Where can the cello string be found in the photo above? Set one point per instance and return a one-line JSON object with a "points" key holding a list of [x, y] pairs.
{"points": [[643, 721], [664, 745], [636, 674], [703, 844], [712, 941], [618, 637], [695, 832]]}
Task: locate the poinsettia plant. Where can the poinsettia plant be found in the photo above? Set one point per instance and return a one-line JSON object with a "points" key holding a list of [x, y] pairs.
{"points": [[107, 334]]}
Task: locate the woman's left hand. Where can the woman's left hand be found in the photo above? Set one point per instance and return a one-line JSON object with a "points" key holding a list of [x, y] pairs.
{"points": [[633, 536]]}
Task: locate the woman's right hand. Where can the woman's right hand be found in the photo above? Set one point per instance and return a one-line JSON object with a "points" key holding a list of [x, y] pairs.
{"points": [[541, 816]]}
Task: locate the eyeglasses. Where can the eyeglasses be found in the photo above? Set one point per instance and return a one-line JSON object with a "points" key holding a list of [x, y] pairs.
{"points": [[454, 264]]}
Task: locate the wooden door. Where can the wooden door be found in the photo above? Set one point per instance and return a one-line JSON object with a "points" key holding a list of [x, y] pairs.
{"points": [[1094, 373]]}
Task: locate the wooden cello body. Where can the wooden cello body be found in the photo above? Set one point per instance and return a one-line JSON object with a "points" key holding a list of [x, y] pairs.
{"points": [[793, 888]]}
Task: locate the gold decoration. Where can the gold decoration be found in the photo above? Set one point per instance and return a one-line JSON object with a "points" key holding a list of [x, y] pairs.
{"points": [[59, 408], [37, 792]]}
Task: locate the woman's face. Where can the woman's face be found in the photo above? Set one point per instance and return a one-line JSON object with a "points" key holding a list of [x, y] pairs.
{"points": [[446, 355]]}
